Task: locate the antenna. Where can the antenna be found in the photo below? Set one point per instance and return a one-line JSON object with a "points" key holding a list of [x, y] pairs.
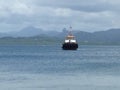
{"points": [[70, 31]]}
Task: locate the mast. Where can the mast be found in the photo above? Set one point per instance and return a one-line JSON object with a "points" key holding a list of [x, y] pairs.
{"points": [[70, 31], [70, 35]]}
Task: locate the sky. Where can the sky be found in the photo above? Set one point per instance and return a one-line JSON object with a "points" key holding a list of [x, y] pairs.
{"points": [[83, 15]]}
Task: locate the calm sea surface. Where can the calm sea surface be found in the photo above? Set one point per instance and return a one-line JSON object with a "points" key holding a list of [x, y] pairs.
{"points": [[51, 68]]}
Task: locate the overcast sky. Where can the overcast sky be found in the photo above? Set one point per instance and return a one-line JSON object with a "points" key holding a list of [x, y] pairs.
{"points": [[85, 15]]}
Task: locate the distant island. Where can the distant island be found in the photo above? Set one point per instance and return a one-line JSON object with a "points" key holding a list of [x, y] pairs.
{"points": [[36, 36]]}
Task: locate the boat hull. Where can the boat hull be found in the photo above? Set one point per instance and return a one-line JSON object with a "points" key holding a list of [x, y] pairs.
{"points": [[69, 46]]}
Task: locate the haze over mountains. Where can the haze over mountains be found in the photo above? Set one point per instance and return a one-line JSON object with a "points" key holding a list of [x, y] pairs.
{"points": [[108, 36], [29, 31]]}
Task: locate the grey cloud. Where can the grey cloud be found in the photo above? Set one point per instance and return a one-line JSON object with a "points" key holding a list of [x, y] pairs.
{"points": [[87, 15], [82, 5]]}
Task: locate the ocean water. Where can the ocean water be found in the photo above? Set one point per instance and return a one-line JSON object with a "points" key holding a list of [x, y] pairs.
{"points": [[48, 67]]}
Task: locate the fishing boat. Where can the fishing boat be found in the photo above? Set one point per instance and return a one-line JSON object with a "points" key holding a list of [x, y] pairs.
{"points": [[70, 42]]}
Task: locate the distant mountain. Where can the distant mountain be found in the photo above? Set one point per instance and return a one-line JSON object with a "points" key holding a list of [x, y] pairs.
{"points": [[33, 31], [27, 32], [4, 35], [109, 36], [99, 37]]}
